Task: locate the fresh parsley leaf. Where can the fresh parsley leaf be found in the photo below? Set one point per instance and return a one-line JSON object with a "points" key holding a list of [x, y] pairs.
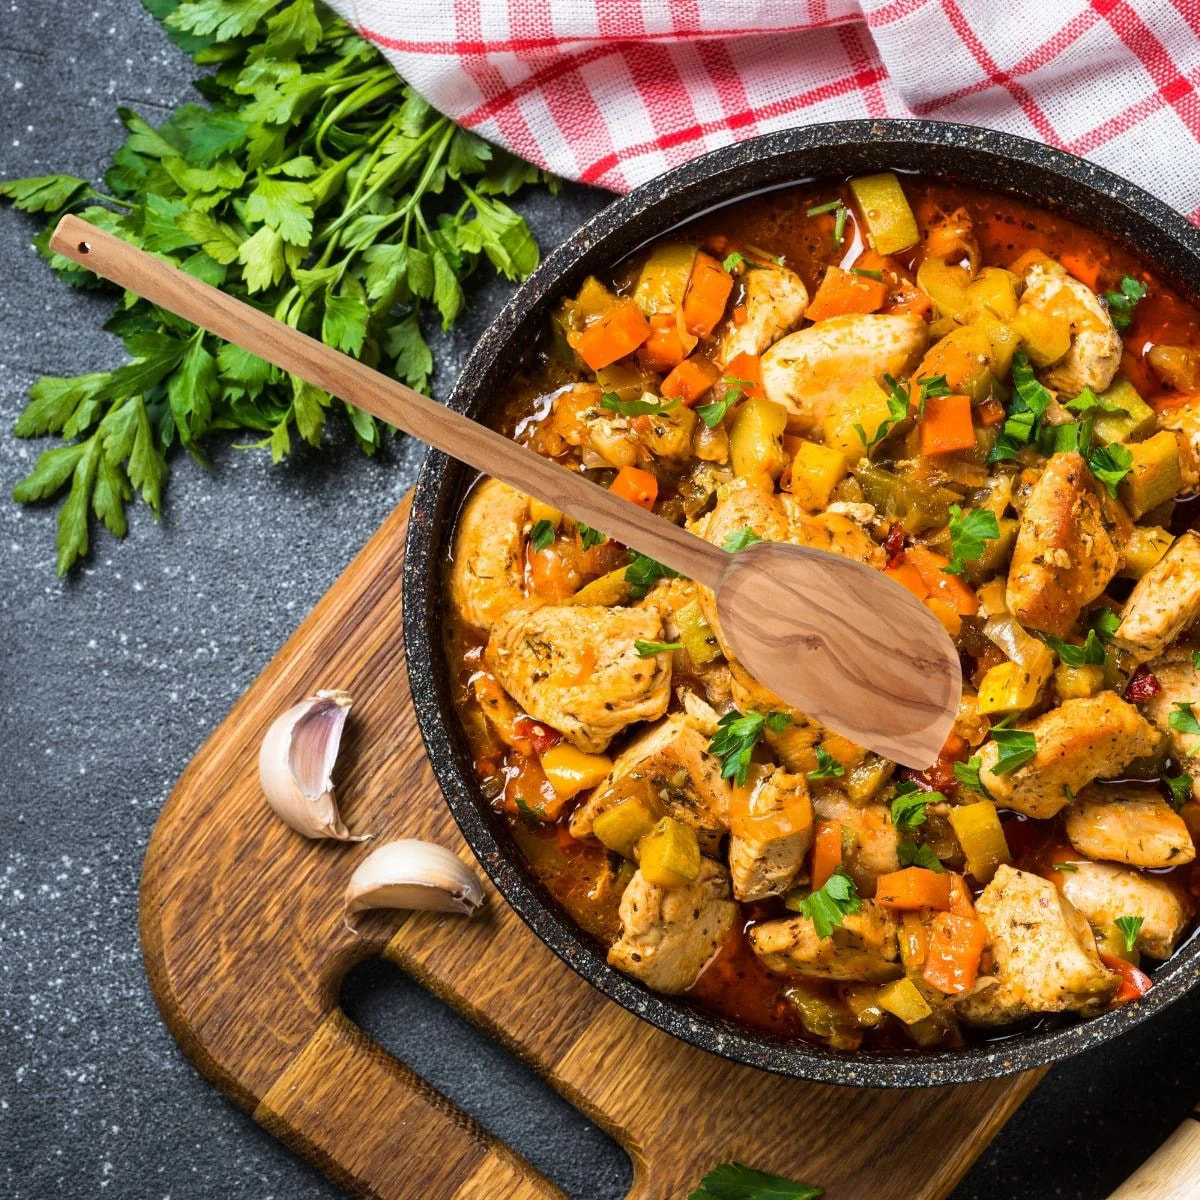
{"points": [[739, 539], [649, 649], [713, 414], [1091, 653], [541, 535], [1030, 402], [737, 735], [588, 537], [43, 193], [934, 386], [1106, 622], [1110, 464], [827, 766], [732, 262], [1017, 747], [1065, 867], [829, 904], [1196, 660], [736, 1181], [1180, 787], [917, 854], [1087, 401], [967, 775], [1122, 303], [643, 573], [908, 806], [636, 408], [867, 274], [1130, 927], [969, 535], [1183, 720]]}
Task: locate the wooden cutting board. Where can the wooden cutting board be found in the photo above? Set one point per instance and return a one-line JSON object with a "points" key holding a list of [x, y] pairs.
{"points": [[245, 946]]}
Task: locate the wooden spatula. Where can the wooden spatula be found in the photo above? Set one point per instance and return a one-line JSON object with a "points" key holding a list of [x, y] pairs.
{"points": [[829, 636]]}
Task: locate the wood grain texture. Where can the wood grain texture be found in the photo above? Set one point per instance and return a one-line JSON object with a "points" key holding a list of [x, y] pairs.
{"points": [[904, 712], [1172, 1172], [245, 947]]}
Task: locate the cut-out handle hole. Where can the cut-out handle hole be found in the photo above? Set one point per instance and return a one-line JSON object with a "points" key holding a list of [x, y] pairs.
{"points": [[84, 248]]}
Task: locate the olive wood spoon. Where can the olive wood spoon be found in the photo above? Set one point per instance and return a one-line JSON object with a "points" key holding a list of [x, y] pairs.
{"points": [[831, 637]]}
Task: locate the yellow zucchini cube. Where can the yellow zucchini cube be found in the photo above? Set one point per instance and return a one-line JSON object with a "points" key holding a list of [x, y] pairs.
{"points": [[621, 827], [981, 836], [669, 855], [696, 634], [1046, 337], [1134, 419], [1156, 475], [1075, 683], [1007, 688], [1145, 546], [816, 471], [571, 771], [864, 405], [889, 221], [902, 998], [756, 441]]}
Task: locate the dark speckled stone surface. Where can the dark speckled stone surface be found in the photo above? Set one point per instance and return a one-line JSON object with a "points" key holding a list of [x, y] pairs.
{"points": [[112, 680]]}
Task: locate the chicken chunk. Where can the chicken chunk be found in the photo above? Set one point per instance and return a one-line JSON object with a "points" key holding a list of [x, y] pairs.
{"points": [[864, 947], [1164, 602], [671, 762], [576, 668], [488, 566], [1044, 952], [770, 839], [1103, 892], [1095, 352], [669, 935], [1179, 682], [873, 834], [1132, 825], [1064, 556], [774, 302], [1081, 740], [1184, 419], [809, 370]]}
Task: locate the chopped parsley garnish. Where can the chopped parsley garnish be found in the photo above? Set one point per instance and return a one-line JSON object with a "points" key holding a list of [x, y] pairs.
{"points": [[970, 533], [1122, 303], [1017, 747], [531, 816], [636, 408], [1087, 400], [829, 904], [898, 404], [588, 537], [1091, 653], [541, 535], [1030, 402], [967, 775], [1130, 927], [1183, 720], [934, 386], [737, 735], [739, 539], [1180, 787], [908, 807], [917, 854], [1106, 623], [1110, 464], [1065, 867], [643, 573], [1196, 660], [838, 208], [649, 649], [736, 1181], [733, 261], [827, 767], [713, 414], [828, 207], [875, 275]]}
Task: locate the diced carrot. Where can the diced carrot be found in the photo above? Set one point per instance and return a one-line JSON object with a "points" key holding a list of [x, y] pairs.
{"points": [[954, 748], [955, 946], [1134, 983], [618, 332], [872, 260], [664, 348], [946, 425], [1085, 269], [905, 574], [690, 379], [950, 588], [906, 297], [748, 369], [913, 887], [951, 358], [991, 412], [961, 902], [827, 852], [842, 293], [739, 316], [632, 483], [951, 621], [707, 293]]}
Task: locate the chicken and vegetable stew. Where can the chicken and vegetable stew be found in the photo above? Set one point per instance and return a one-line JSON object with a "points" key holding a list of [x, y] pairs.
{"points": [[999, 409]]}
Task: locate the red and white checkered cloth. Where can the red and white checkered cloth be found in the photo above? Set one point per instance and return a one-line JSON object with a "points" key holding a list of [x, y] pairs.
{"points": [[613, 92]]}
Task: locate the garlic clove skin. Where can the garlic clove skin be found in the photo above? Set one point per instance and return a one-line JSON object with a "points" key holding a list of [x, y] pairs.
{"points": [[296, 761], [414, 874]]}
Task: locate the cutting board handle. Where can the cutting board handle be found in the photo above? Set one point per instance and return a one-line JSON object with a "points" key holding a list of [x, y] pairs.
{"points": [[371, 1124], [1172, 1172]]}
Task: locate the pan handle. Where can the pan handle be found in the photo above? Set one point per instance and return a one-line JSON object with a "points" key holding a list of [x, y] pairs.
{"points": [[1172, 1172]]}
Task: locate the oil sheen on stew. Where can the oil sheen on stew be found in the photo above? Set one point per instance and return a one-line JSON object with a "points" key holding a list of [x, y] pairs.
{"points": [[995, 406]]}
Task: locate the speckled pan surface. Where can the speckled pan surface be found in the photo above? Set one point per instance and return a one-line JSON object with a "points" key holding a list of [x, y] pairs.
{"points": [[1050, 177]]}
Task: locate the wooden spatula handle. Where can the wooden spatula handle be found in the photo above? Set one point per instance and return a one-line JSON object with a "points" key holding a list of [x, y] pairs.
{"points": [[385, 398], [1172, 1172]]}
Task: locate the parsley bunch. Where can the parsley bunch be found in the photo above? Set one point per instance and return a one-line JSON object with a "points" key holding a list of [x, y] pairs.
{"points": [[317, 187], [737, 735]]}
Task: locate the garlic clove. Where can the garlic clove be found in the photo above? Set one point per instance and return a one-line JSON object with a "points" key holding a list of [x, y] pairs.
{"points": [[296, 761], [414, 874]]}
